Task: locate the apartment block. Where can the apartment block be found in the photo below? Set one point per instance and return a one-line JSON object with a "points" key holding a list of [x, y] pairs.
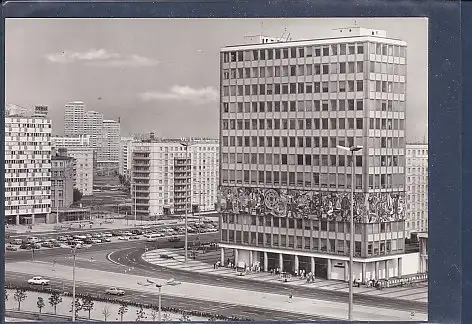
{"points": [[416, 179], [27, 167], [171, 177]]}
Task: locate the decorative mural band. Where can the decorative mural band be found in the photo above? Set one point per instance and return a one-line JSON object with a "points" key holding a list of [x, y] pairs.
{"points": [[368, 208]]}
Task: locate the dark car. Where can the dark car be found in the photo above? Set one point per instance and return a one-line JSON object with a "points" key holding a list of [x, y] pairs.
{"points": [[25, 246], [36, 246], [116, 233], [137, 232]]}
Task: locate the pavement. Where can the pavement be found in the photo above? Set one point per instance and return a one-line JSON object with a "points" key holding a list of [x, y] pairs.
{"points": [[418, 292], [268, 301]]}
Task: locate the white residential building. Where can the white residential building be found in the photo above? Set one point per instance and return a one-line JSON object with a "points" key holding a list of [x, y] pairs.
{"points": [[168, 179], [94, 127], [79, 141], [27, 167], [126, 151], [110, 149], [84, 168], [416, 181], [74, 119]]}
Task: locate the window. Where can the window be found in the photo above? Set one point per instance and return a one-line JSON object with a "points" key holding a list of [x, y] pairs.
{"points": [[359, 85], [325, 69], [342, 86], [360, 49], [360, 67]]}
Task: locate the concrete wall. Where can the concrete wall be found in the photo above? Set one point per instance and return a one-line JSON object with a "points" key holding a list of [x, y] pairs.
{"points": [[243, 255], [338, 269]]}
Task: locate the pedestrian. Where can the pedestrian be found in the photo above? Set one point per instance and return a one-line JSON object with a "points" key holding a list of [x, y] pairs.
{"points": [[290, 296]]}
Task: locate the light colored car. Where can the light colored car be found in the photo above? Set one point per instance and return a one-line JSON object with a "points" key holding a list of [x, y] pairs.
{"points": [[96, 240], [107, 234], [12, 248], [38, 281], [114, 291], [123, 238], [106, 239], [127, 233], [85, 246]]}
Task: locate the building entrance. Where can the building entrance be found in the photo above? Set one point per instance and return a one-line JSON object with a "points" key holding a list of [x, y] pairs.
{"points": [[321, 268]]}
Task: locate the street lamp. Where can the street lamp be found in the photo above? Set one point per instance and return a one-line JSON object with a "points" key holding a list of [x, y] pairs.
{"points": [[170, 282], [74, 251], [186, 216], [351, 149]]}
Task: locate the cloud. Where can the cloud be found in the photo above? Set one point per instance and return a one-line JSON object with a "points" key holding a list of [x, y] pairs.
{"points": [[183, 93], [101, 57]]}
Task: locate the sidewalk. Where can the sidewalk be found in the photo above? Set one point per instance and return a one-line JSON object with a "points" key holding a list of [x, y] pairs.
{"points": [[299, 305], [413, 293]]}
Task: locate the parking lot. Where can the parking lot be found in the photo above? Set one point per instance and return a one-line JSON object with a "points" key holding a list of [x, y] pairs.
{"points": [[85, 239]]}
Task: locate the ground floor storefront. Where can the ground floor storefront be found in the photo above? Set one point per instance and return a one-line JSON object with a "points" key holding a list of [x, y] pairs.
{"points": [[322, 265]]}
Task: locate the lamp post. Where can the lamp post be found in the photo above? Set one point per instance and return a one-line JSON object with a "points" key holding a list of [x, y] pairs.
{"points": [[74, 252], [170, 282], [185, 145], [351, 149]]}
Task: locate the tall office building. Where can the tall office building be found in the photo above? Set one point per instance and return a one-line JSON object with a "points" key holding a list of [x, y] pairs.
{"points": [[167, 178], [125, 155], [74, 119], [416, 188], [285, 186], [93, 126], [27, 167], [111, 142]]}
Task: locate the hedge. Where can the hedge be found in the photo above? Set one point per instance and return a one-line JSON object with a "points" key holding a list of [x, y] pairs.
{"points": [[114, 300]]}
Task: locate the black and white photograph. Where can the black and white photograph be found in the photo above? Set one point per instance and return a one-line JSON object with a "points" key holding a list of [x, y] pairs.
{"points": [[216, 169]]}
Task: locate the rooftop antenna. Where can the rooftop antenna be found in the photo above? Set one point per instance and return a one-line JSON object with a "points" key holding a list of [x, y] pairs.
{"points": [[355, 23]]}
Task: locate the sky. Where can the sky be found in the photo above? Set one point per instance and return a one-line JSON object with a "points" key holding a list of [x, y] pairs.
{"points": [[162, 75]]}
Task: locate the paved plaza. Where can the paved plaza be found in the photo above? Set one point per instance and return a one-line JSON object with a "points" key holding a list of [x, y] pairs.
{"points": [[299, 305], [204, 264]]}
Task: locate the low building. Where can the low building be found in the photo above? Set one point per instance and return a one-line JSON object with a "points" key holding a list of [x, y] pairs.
{"points": [[63, 179], [70, 214], [423, 240]]}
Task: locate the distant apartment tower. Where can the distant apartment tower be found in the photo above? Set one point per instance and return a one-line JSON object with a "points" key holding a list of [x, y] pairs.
{"points": [[94, 127], [167, 178], [416, 181], [125, 155], [64, 142], [62, 179], [80, 149], [27, 167], [111, 142], [285, 186], [74, 114]]}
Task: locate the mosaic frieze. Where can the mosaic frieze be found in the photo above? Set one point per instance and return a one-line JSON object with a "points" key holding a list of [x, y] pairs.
{"points": [[372, 207]]}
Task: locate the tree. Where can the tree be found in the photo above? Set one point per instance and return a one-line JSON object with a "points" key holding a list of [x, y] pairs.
{"points": [[140, 314], [54, 300], [166, 317], [20, 296], [154, 314], [78, 307], [184, 318], [105, 312], [40, 304], [87, 305], [122, 311], [77, 195]]}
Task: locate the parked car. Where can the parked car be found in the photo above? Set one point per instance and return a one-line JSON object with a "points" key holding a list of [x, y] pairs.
{"points": [[126, 233], [108, 234], [134, 237], [114, 291], [32, 239], [96, 235], [47, 244], [106, 239], [17, 242], [12, 248], [96, 240], [38, 281], [56, 244], [123, 238], [173, 239], [26, 246], [137, 232], [36, 246]]}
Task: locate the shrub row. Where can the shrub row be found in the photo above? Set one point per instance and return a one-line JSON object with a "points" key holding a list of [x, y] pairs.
{"points": [[114, 300]]}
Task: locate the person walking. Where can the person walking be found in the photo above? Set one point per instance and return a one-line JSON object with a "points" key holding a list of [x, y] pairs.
{"points": [[290, 296]]}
